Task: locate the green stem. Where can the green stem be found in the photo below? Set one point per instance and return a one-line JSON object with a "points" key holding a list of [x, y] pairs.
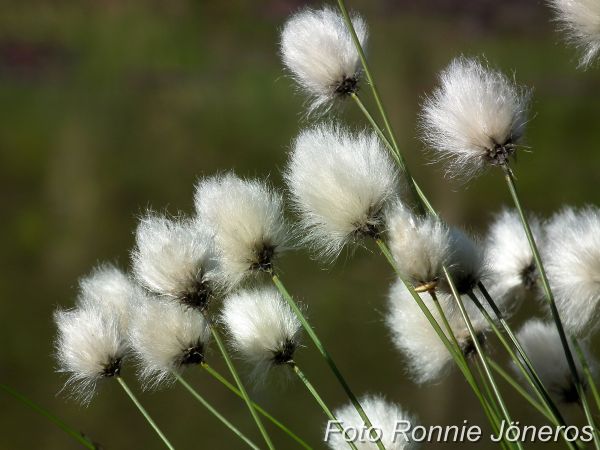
{"points": [[321, 348], [217, 376], [48, 415], [459, 359], [144, 412], [586, 370], [486, 387], [208, 406], [510, 181], [319, 400], [240, 385], [584, 401]]}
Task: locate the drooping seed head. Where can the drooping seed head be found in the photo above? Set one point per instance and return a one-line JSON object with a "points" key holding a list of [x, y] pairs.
{"points": [[466, 262]]}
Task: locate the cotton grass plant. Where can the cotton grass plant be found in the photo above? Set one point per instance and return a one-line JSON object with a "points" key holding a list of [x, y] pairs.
{"points": [[194, 278]]}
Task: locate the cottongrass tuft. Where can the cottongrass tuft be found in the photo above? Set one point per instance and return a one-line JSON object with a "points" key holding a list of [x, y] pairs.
{"points": [[466, 262], [420, 246], [543, 346], [246, 219], [476, 118], [318, 50], [581, 20], [572, 260], [90, 346], [166, 337], [426, 357], [511, 269], [174, 258], [384, 416], [262, 328], [341, 184]]}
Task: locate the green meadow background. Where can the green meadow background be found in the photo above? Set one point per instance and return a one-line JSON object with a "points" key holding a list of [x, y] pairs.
{"points": [[110, 107]]}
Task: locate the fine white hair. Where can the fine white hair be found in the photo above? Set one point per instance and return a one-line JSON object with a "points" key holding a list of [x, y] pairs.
{"points": [[111, 290], [420, 245], [572, 260], [541, 342], [317, 49], [246, 220], [165, 337], [467, 261], [475, 118], [426, 356], [340, 184], [262, 328], [581, 21], [174, 258], [511, 269], [90, 346], [384, 416]]}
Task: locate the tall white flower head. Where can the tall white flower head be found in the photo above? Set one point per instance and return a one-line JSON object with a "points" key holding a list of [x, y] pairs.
{"points": [[476, 118], [581, 20], [90, 346], [542, 344], [318, 50], [111, 290], [166, 337], [427, 358], [174, 258], [466, 261], [341, 184], [512, 272], [262, 327], [246, 219], [384, 416], [572, 260], [420, 246]]}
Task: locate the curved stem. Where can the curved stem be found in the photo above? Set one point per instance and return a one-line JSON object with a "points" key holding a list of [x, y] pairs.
{"points": [[586, 370], [240, 385], [144, 412], [584, 402], [218, 415], [217, 376], [320, 401], [79, 437], [321, 348]]}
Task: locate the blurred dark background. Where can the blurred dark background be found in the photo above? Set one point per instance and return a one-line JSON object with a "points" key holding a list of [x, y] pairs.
{"points": [[108, 107]]}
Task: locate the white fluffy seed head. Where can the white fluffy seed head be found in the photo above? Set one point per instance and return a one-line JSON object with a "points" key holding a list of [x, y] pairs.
{"points": [[262, 328], [90, 346], [466, 262], [542, 344], [427, 358], [384, 416], [341, 184], [511, 269], [174, 258], [111, 290], [246, 220], [581, 20], [475, 118], [318, 50], [572, 260], [420, 245], [165, 337]]}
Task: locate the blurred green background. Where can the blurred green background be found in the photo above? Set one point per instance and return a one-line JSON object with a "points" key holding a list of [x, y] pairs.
{"points": [[111, 106]]}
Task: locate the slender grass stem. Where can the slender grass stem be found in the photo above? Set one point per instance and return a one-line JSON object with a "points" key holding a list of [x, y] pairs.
{"points": [[144, 412], [586, 370], [480, 352], [522, 360], [487, 389], [319, 400], [216, 413], [217, 376], [321, 348], [79, 437], [240, 385], [458, 358], [584, 401]]}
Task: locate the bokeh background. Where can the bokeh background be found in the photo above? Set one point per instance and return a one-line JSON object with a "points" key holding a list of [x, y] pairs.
{"points": [[112, 106]]}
